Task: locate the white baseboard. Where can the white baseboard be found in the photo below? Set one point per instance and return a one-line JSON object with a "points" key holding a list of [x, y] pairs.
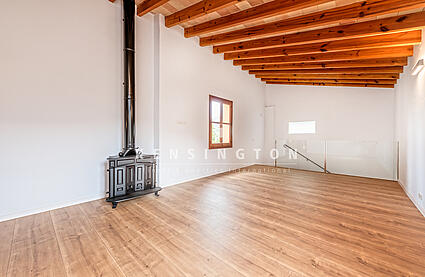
{"points": [[50, 207], [413, 199]]}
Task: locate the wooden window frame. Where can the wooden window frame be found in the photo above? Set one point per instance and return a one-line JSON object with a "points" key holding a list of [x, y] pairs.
{"points": [[221, 144]]}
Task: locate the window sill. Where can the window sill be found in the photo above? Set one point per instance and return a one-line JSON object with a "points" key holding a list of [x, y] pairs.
{"points": [[213, 147]]}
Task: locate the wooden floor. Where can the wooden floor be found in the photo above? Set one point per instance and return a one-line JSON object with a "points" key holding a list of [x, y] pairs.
{"points": [[255, 223]]}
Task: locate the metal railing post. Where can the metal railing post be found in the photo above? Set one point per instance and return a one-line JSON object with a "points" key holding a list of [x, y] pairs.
{"points": [[326, 155], [275, 147]]}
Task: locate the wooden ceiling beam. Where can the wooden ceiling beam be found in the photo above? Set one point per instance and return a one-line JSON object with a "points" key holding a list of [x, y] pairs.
{"points": [[389, 52], [393, 76], [390, 40], [336, 64], [413, 21], [149, 5], [333, 81], [340, 15], [331, 85], [253, 14], [197, 10], [393, 69]]}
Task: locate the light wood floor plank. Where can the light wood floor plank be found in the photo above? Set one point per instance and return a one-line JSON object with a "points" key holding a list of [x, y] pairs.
{"points": [[260, 221], [405, 228], [293, 241], [133, 253], [408, 228], [328, 231], [224, 238], [341, 188], [329, 188], [187, 252], [35, 250], [287, 191], [6, 233], [217, 240], [292, 256], [257, 205], [83, 251]]}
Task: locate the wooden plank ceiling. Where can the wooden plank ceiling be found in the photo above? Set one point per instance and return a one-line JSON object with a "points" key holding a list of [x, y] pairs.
{"points": [[304, 42]]}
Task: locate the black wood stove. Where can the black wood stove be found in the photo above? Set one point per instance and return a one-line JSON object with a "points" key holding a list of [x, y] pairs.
{"points": [[131, 173], [131, 177]]}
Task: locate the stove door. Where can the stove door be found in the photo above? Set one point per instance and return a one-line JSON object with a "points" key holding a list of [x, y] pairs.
{"points": [[149, 176], [120, 183], [140, 182]]}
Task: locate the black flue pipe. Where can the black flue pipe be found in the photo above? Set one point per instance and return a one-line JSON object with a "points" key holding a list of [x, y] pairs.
{"points": [[129, 148]]}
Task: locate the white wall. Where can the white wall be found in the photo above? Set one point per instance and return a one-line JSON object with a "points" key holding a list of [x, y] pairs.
{"points": [[188, 74], [61, 100], [145, 83], [341, 113], [59, 113], [410, 119], [351, 120]]}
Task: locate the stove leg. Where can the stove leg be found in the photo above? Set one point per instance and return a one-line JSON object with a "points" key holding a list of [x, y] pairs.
{"points": [[114, 205], [157, 193]]}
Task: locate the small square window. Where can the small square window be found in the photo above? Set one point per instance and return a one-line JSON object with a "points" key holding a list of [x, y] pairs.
{"points": [[302, 127]]}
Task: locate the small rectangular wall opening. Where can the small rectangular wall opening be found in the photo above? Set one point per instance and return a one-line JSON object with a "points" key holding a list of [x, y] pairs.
{"points": [[302, 127]]}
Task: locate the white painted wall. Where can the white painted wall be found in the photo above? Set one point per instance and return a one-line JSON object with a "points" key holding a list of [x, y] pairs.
{"points": [[410, 131], [61, 100], [59, 107], [145, 83], [350, 119], [341, 113], [188, 74]]}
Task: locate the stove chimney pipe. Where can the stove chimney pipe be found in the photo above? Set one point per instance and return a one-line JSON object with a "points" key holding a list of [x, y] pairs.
{"points": [[129, 148]]}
